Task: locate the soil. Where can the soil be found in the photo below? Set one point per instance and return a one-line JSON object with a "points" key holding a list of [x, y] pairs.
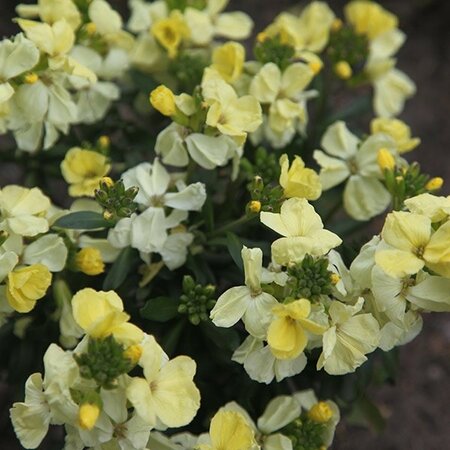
{"points": [[417, 406]]}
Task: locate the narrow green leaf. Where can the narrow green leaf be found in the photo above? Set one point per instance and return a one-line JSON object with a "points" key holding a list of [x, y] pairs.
{"points": [[160, 309], [234, 245], [82, 220], [119, 271]]}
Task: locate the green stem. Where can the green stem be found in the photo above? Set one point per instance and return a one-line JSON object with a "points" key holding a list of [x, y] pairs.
{"points": [[231, 225]]}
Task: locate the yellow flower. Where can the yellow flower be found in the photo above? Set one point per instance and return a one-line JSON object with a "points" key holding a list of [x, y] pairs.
{"points": [[229, 431], [299, 181], [88, 415], [83, 170], [89, 261], [320, 412], [169, 32], [100, 314], [26, 285], [385, 159], [369, 18], [398, 130], [163, 100], [410, 245], [286, 335], [228, 60], [231, 115]]}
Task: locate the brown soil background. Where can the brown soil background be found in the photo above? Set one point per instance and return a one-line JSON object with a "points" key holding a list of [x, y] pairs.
{"points": [[417, 407]]}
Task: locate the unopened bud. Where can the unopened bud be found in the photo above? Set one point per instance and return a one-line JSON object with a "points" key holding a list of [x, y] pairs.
{"points": [[107, 182], [108, 215], [343, 70], [89, 261], [90, 28], [133, 353], [320, 412], [315, 66], [254, 206], [434, 184], [335, 278], [336, 25], [88, 415], [104, 141], [385, 159], [261, 37], [31, 78]]}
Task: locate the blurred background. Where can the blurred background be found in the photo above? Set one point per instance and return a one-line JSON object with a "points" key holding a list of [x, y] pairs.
{"points": [[416, 407]]}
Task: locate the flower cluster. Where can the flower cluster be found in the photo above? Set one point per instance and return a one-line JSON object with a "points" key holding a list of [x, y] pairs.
{"points": [[218, 196]]}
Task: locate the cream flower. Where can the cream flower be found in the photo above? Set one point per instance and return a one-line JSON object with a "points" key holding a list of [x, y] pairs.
{"points": [[364, 193], [22, 210], [248, 302], [167, 395], [350, 337], [299, 181], [411, 244], [303, 231], [16, 57], [231, 115]]}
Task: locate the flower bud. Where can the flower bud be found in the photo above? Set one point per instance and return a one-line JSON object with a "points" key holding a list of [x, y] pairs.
{"points": [[88, 415], [254, 206], [104, 142], [133, 353], [335, 278], [320, 412], [90, 28], [385, 159], [163, 100], [89, 261], [343, 70], [434, 184], [31, 78], [315, 66]]}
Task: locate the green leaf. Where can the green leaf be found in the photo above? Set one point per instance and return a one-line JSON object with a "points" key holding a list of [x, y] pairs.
{"points": [[208, 214], [160, 309], [119, 271], [358, 107], [170, 340], [234, 245], [82, 220], [224, 338], [365, 412]]}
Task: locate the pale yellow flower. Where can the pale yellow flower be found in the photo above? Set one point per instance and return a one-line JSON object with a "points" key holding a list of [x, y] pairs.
{"points": [[299, 181], [229, 430], [100, 314], [26, 285], [286, 335], [302, 229], [231, 115], [170, 32], [398, 130], [83, 170], [228, 60], [167, 394], [369, 18], [410, 244]]}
